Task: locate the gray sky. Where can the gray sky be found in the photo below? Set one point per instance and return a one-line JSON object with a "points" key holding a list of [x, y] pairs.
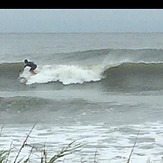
{"points": [[81, 20]]}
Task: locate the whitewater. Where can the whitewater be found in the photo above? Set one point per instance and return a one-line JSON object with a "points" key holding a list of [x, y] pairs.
{"points": [[102, 90]]}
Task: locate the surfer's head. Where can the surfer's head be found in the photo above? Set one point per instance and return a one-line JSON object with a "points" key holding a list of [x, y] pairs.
{"points": [[25, 61]]}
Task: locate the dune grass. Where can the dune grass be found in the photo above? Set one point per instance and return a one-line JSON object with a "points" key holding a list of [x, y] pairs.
{"points": [[69, 149], [3, 156]]}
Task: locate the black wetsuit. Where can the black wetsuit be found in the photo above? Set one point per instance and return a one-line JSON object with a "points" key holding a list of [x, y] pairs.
{"points": [[32, 65]]}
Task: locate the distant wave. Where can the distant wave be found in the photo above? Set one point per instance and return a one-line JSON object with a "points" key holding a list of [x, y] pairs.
{"points": [[115, 55]]}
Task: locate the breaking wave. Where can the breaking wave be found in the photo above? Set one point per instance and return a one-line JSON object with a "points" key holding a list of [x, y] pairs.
{"points": [[119, 69], [149, 75], [66, 74]]}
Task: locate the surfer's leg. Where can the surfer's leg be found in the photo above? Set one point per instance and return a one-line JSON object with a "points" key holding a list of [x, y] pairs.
{"points": [[32, 71]]}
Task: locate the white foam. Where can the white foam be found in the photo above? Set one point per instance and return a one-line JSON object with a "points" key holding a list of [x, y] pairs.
{"points": [[67, 74]]}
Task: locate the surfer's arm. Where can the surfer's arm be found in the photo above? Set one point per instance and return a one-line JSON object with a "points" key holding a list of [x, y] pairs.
{"points": [[25, 66]]}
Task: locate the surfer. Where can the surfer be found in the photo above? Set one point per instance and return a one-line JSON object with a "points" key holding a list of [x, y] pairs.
{"points": [[32, 65]]}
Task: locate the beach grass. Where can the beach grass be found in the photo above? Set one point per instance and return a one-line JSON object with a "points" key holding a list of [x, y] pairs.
{"points": [[67, 150], [3, 156], [72, 147]]}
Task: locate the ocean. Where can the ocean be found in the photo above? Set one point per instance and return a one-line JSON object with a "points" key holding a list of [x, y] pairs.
{"points": [[101, 90]]}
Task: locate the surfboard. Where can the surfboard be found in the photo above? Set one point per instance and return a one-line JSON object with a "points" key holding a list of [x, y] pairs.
{"points": [[22, 80]]}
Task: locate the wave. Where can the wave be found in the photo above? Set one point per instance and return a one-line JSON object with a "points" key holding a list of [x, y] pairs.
{"points": [[22, 103], [125, 76], [26, 104], [110, 68], [73, 74], [114, 56]]}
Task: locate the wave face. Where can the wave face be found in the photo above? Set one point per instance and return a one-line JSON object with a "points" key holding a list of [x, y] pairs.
{"points": [[137, 76], [10, 70], [111, 69]]}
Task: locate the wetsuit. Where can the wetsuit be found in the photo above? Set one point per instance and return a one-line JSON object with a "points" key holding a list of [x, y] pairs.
{"points": [[32, 65]]}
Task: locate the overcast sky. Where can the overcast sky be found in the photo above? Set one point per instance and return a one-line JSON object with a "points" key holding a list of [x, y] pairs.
{"points": [[81, 20]]}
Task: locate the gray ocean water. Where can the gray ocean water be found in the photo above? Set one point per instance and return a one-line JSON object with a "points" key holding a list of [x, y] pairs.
{"points": [[104, 90]]}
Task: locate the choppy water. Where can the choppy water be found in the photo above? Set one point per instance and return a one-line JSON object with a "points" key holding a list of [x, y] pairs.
{"points": [[101, 89]]}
